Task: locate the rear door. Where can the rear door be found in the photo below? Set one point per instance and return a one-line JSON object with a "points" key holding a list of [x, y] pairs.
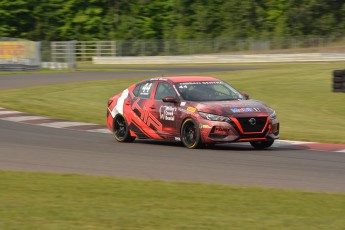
{"points": [[143, 120]]}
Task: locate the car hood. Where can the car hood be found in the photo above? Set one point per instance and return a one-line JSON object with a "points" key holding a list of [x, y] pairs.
{"points": [[229, 108]]}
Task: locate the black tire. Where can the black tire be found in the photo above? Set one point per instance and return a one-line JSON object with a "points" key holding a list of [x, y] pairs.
{"points": [[339, 90], [190, 134], [338, 85], [338, 79], [121, 130], [339, 73], [262, 144]]}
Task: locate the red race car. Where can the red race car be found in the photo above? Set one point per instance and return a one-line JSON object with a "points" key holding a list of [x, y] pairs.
{"points": [[192, 109]]}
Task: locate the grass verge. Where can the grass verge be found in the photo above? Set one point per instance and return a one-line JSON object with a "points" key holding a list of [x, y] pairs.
{"points": [[54, 201], [301, 94]]}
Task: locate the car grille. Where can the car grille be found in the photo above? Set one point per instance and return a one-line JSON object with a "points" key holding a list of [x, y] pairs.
{"points": [[245, 125]]}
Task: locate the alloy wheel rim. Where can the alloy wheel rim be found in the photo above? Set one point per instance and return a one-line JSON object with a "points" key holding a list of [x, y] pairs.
{"points": [[189, 133], [120, 127]]}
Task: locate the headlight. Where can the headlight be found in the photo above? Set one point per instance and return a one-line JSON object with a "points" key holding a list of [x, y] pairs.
{"points": [[213, 117], [273, 115]]}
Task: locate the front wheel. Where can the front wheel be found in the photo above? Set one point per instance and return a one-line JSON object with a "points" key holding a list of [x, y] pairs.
{"points": [[262, 144], [190, 134], [121, 130]]}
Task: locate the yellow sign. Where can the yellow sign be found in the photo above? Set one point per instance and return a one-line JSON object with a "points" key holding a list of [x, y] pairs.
{"points": [[17, 49]]}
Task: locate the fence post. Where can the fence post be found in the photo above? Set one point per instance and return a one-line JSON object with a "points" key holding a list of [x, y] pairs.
{"points": [[72, 55], [38, 54]]}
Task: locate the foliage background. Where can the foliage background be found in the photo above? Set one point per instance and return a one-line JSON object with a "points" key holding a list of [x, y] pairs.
{"points": [[169, 19]]}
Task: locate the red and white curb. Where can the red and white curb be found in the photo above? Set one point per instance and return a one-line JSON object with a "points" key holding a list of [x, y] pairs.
{"points": [[329, 147], [15, 116]]}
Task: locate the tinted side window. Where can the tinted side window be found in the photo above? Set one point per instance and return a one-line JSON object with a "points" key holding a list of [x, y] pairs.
{"points": [[163, 90], [136, 90], [145, 90]]}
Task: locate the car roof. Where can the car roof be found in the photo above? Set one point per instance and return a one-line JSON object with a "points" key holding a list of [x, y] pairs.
{"points": [[177, 79]]}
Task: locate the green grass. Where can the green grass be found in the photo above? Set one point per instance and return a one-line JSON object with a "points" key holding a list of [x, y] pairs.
{"points": [[53, 201], [301, 94]]}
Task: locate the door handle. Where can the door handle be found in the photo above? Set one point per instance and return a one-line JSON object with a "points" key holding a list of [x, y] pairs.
{"points": [[152, 107]]}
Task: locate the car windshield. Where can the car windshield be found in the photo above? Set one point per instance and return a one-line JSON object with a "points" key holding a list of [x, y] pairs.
{"points": [[207, 91]]}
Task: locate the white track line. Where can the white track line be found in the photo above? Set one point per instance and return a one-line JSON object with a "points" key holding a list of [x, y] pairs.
{"points": [[64, 124], [294, 142], [9, 112], [23, 118], [99, 130], [340, 151]]}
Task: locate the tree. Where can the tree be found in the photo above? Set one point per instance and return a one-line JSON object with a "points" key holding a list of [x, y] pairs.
{"points": [[15, 18]]}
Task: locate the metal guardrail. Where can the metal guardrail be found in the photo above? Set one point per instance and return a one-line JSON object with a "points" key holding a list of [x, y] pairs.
{"points": [[82, 50]]}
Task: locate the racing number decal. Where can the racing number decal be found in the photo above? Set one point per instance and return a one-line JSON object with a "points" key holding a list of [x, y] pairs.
{"points": [[147, 117], [146, 88]]}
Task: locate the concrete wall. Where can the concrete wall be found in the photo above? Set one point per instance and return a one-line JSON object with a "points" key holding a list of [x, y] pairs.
{"points": [[253, 58]]}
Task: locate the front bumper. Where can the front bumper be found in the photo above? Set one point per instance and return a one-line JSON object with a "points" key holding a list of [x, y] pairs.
{"points": [[239, 129]]}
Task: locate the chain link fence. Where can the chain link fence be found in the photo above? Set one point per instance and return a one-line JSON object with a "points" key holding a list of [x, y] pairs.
{"points": [[66, 54], [212, 46]]}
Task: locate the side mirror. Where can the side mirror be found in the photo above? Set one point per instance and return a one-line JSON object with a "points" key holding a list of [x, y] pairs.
{"points": [[170, 99], [245, 95]]}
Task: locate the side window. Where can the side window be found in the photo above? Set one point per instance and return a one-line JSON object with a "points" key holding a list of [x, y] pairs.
{"points": [[163, 90], [136, 90], [221, 89], [145, 90]]}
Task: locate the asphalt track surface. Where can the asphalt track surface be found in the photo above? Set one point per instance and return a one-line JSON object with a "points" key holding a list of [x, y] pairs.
{"points": [[25, 147], [28, 80]]}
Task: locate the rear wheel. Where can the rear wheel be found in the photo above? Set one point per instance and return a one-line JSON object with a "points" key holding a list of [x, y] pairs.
{"points": [[190, 134], [121, 130], [262, 144]]}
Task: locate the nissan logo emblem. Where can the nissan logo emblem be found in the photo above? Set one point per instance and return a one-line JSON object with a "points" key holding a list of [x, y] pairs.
{"points": [[252, 121]]}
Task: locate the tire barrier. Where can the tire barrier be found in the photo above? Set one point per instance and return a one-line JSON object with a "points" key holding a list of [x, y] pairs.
{"points": [[339, 81], [54, 65], [18, 67]]}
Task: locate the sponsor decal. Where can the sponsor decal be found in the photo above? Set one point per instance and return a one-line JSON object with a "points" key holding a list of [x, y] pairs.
{"points": [[191, 109], [177, 139], [205, 126], [167, 113], [183, 103], [184, 111], [244, 110], [221, 130], [158, 79], [184, 84]]}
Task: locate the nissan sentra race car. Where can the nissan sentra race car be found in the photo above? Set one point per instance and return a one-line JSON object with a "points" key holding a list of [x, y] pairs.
{"points": [[192, 109]]}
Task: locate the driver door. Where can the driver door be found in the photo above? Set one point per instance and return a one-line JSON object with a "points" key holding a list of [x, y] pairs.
{"points": [[165, 112]]}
